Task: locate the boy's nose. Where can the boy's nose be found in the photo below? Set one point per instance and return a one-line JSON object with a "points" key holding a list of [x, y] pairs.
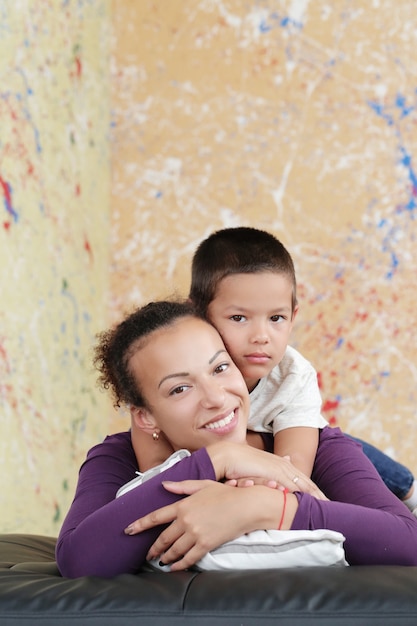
{"points": [[260, 334]]}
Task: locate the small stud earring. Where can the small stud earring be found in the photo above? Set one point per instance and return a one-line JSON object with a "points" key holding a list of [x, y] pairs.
{"points": [[155, 436]]}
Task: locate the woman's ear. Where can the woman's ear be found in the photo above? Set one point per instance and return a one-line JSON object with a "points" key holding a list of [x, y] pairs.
{"points": [[143, 419]]}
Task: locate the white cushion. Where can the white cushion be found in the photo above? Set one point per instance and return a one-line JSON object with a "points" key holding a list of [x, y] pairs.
{"points": [[271, 549]]}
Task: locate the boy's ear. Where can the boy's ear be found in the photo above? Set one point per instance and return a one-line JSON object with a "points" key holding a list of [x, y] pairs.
{"points": [[294, 313], [143, 419]]}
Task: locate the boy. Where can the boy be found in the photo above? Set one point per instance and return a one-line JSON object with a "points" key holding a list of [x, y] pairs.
{"points": [[243, 281]]}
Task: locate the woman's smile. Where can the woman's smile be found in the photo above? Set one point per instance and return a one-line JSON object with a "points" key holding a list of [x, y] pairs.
{"points": [[224, 424]]}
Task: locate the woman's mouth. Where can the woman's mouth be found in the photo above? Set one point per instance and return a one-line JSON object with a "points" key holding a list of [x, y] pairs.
{"points": [[221, 423]]}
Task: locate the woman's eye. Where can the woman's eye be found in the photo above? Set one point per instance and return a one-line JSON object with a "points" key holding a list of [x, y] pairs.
{"points": [[221, 368], [178, 390], [238, 318]]}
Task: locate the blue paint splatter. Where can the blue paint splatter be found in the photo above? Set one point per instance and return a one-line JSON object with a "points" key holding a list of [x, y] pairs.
{"points": [[276, 21], [392, 115]]}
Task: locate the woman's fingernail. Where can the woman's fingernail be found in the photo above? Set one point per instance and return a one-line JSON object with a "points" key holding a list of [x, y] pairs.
{"points": [[128, 530]]}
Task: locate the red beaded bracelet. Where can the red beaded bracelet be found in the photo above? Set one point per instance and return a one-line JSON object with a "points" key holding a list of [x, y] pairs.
{"points": [[285, 491]]}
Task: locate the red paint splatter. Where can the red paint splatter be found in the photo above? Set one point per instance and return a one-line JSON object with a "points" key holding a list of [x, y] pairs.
{"points": [[362, 317], [6, 192], [320, 380], [5, 187], [330, 405], [77, 72], [3, 356], [78, 66], [88, 249]]}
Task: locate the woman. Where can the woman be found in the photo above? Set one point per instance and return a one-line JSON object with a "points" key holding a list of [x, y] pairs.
{"points": [[172, 368]]}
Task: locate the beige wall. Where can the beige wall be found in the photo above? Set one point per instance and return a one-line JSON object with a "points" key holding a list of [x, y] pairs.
{"points": [[132, 129], [54, 207], [294, 116]]}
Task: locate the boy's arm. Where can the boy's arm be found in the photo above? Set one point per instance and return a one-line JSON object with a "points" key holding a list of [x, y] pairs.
{"points": [[300, 444], [255, 440]]}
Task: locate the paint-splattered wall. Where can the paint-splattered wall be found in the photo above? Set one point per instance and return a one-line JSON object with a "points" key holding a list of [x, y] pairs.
{"points": [[296, 116], [54, 207], [299, 117]]}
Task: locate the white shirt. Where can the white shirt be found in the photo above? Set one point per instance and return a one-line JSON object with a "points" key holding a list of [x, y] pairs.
{"points": [[289, 396]]}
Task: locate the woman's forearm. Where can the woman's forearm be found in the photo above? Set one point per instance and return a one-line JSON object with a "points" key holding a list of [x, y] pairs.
{"points": [[92, 540], [373, 536]]}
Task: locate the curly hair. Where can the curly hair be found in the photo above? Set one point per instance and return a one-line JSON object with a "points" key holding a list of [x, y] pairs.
{"points": [[116, 346]]}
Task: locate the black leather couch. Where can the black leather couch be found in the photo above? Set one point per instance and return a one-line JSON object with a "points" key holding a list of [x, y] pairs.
{"points": [[33, 592]]}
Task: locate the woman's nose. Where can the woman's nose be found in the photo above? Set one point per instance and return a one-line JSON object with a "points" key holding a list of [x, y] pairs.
{"points": [[212, 394]]}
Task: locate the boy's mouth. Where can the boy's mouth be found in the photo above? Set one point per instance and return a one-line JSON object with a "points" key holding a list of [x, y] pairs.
{"points": [[258, 358]]}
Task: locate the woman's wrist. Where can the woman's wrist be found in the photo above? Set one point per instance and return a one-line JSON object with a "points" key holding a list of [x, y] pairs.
{"points": [[270, 509], [218, 453]]}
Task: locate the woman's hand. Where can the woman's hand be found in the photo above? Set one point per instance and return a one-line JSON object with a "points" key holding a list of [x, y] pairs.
{"points": [[239, 463], [211, 515]]}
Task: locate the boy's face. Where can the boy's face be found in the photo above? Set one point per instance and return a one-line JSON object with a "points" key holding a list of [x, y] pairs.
{"points": [[253, 314]]}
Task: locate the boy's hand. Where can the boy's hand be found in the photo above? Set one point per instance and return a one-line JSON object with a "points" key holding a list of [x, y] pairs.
{"points": [[250, 481], [233, 461]]}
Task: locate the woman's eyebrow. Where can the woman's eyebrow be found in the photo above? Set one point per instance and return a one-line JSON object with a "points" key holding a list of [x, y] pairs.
{"points": [[213, 358], [172, 376]]}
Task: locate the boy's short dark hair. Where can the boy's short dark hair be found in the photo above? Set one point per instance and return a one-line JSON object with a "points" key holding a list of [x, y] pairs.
{"points": [[241, 250]]}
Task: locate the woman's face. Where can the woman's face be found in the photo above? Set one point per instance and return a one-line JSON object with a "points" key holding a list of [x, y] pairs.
{"points": [[194, 392]]}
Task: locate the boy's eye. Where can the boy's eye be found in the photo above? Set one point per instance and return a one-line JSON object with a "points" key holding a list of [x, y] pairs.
{"points": [[238, 318], [277, 318]]}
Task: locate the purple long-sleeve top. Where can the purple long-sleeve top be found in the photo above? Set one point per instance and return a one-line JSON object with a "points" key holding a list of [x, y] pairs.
{"points": [[378, 528]]}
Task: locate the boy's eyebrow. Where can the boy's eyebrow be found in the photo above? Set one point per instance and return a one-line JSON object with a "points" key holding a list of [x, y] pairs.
{"points": [[176, 374], [239, 307]]}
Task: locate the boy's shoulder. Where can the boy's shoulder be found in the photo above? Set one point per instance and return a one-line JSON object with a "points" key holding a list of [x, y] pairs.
{"points": [[294, 371], [292, 362]]}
